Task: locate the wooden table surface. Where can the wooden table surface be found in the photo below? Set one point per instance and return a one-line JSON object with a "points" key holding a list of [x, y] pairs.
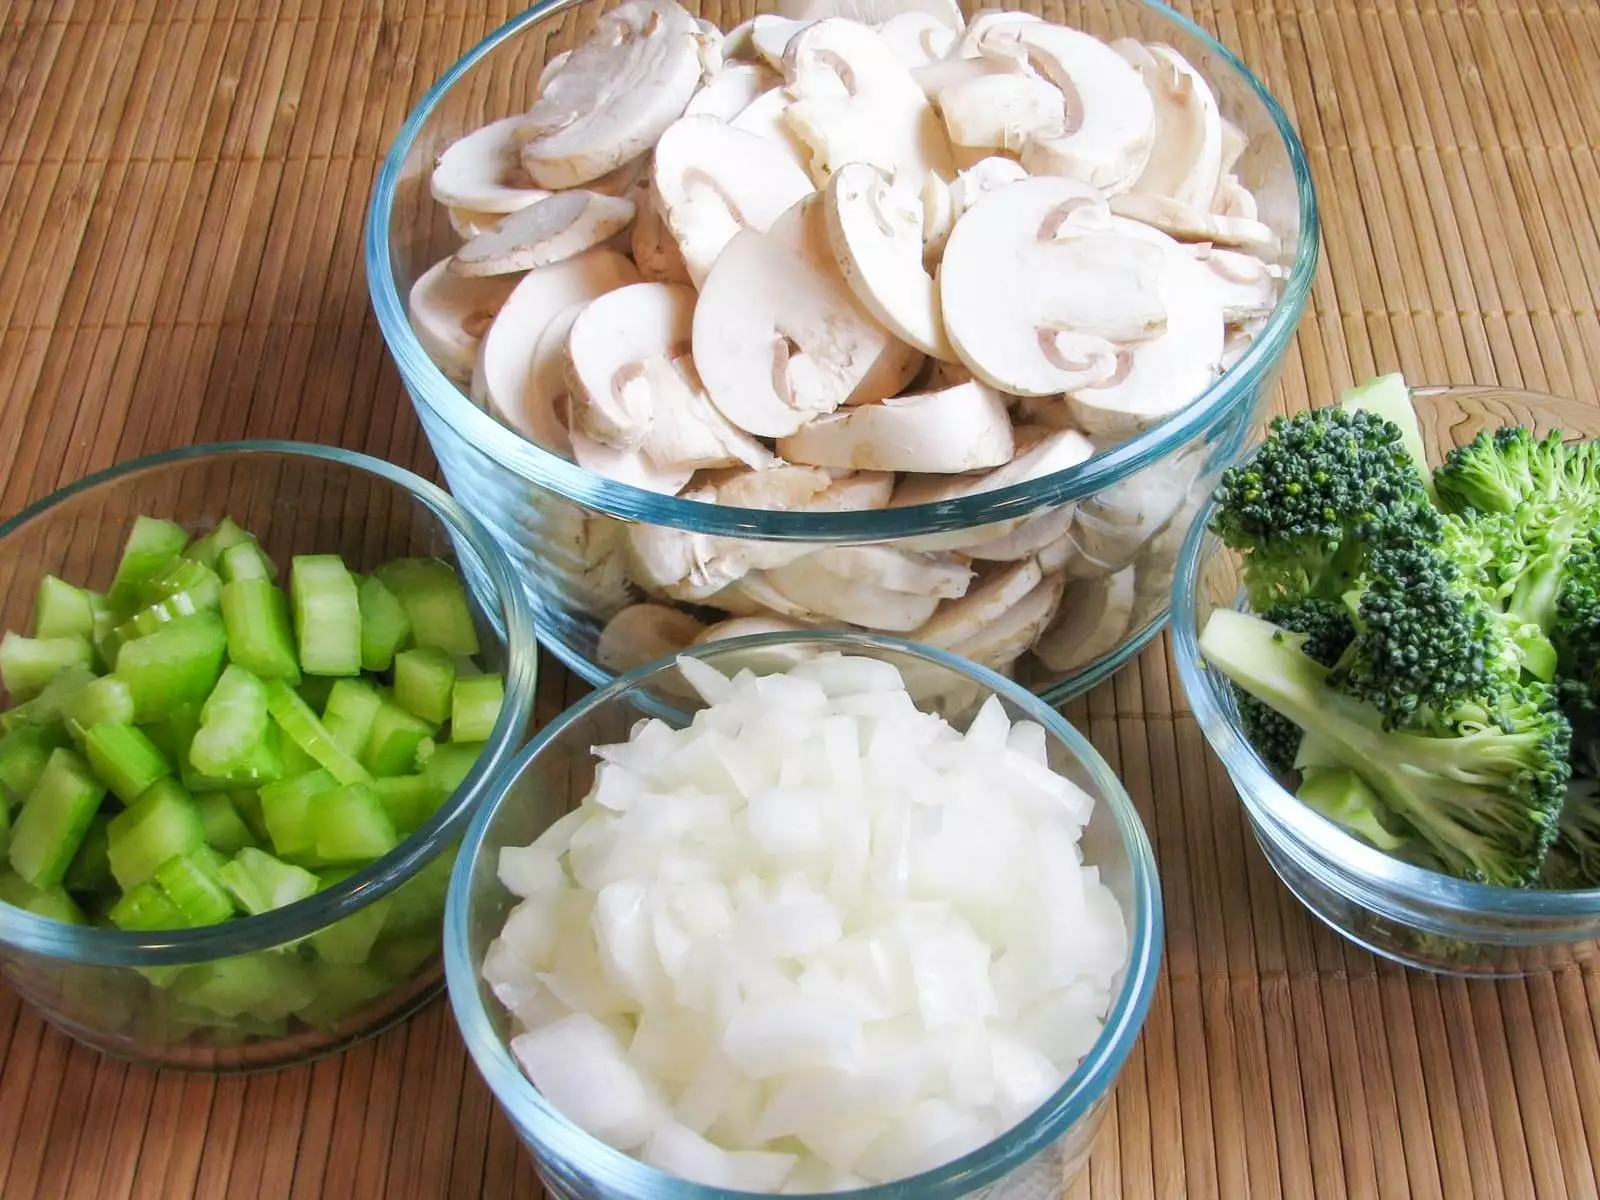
{"points": [[183, 185]]}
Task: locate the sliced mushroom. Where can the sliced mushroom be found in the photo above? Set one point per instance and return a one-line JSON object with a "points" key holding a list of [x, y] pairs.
{"points": [[546, 232], [936, 78], [778, 337], [482, 171], [963, 619], [855, 102], [616, 94], [1048, 412], [1158, 561], [549, 70], [1028, 538], [626, 360], [918, 38], [738, 44], [890, 374], [755, 590], [1186, 156], [853, 592], [642, 633], [962, 428], [745, 627], [713, 180], [1035, 313], [771, 34], [1092, 619], [1005, 639], [450, 315], [971, 185], [1002, 112], [1234, 143], [1235, 200], [1114, 524], [1189, 224], [732, 90], [764, 118], [710, 46], [898, 570], [975, 40], [537, 410], [1055, 450], [658, 258], [875, 233], [581, 554], [632, 467], [1239, 341], [874, 12], [1245, 287], [469, 223]]}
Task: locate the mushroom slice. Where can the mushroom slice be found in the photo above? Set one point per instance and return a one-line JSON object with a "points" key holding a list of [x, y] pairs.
{"points": [[850, 591], [855, 102], [1033, 312], [1092, 619], [554, 228], [1002, 112], [642, 633], [1005, 639], [1186, 156], [537, 410], [758, 592], [505, 366], [1245, 287], [1047, 412], [875, 233], [732, 90], [918, 38], [1028, 538], [963, 619], [1055, 450], [1233, 199], [626, 361], [1115, 523], [874, 12], [778, 337], [1156, 378], [738, 43], [745, 627], [1189, 224], [971, 185], [450, 315], [764, 118], [896, 366], [657, 255], [962, 428], [632, 467], [713, 180], [583, 553], [771, 34], [1108, 118], [1234, 143], [710, 44], [898, 570], [482, 171], [615, 96], [936, 78], [1239, 340], [973, 43], [469, 223]]}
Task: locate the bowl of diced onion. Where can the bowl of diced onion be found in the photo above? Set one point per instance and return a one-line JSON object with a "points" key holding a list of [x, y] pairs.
{"points": [[802, 914]]}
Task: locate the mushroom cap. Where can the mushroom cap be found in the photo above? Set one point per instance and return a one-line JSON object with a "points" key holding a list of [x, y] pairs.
{"points": [[1002, 111], [545, 232], [732, 90], [1051, 451], [642, 633], [851, 590], [1093, 616], [1186, 155], [615, 95], [482, 171], [963, 428], [450, 315]]}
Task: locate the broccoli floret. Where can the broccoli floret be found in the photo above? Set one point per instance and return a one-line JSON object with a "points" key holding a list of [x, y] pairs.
{"points": [[1328, 631], [1574, 859], [1511, 468], [1576, 631], [1482, 783]]}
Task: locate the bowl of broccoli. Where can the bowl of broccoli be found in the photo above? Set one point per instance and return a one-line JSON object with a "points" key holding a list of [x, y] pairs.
{"points": [[1387, 622]]}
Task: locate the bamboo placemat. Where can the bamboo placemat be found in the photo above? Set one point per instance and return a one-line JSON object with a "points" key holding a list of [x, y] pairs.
{"points": [[182, 192]]}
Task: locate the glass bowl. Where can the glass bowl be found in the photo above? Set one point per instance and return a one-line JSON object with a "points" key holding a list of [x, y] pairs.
{"points": [[116, 990], [553, 775], [1414, 916], [565, 528]]}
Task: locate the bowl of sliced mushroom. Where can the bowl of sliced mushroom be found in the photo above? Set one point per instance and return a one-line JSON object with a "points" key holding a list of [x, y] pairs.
{"points": [[897, 316]]}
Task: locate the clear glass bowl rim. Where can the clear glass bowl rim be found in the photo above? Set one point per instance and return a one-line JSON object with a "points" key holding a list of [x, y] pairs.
{"points": [[625, 1175], [1364, 873], [429, 386], [91, 946]]}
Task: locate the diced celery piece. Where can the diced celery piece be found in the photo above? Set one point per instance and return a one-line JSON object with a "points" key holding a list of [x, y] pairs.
{"points": [[248, 805], [417, 904], [349, 939], [245, 560], [178, 664], [422, 681], [264, 764], [297, 720], [90, 870], [475, 707], [28, 664], [163, 823], [351, 826], [261, 883], [385, 629], [146, 907], [343, 989], [5, 826], [104, 636], [392, 746], [198, 584], [49, 707], [151, 544], [448, 766], [435, 603], [23, 754], [286, 809], [233, 722], [408, 799], [191, 883], [209, 548], [315, 690], [348, 715], [226, 831], [327, 615], [106, 701], [61, 610], [295, 760], [403, 955], [467, 666], [51, 903], [125, 759], [54, 819], [256, 614], [267, 985], [425, 749], [174, 731]]}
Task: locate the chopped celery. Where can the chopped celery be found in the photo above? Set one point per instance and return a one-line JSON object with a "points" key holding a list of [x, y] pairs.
{"points": [[125, 759], [297, 720], [151, 544], [267, 985], [403, 955], [448, 765], [197, 585], [264, 764], [343, 989], [256, 615], [245, 560], [385, 629], [416, 904], [146, 907], [248, 805], [176, 665], [161, 824], [315, 690], [327, 615], [61, 610], [28, 664], [209, 548], [226, 831], [233, 723], [435, 603], [348, 714], [295, 760], [175, 731], [350, 826], [51, 903], [423, 679], [90, 871], [193, 886], [23, 754], [104, 635], [475, 707], [286, 812], [49, 707], [260, 882], [106, 701], [349, 939], [408, 799], [5, 825], [54, 819], [392, 746], [425, 749]]}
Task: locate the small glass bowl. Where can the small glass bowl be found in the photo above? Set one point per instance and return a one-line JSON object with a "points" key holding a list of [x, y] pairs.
{"points": [[1414, 916], [565, 527], [554, 773], [113, 989]]}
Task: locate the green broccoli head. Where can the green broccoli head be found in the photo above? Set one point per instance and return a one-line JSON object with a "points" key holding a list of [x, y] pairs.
{"points": [[1574, 859], [1326, 627], [1576, 631], [1512, 467]]}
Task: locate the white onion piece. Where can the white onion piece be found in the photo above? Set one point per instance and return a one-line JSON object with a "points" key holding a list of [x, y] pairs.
{"points": [[816, 919]]}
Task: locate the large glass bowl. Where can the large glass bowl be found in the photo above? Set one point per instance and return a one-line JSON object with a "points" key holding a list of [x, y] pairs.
{"points": [[120, 991], [550, 777], [1414, 916], [562, 525]]}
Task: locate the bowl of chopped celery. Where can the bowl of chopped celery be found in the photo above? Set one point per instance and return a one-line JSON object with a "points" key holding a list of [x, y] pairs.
{"points": [[1400, 669], [253, 692], [805, 913]]}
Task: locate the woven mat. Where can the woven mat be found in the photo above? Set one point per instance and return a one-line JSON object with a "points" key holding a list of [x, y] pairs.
{"points": [[182, 192]]}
